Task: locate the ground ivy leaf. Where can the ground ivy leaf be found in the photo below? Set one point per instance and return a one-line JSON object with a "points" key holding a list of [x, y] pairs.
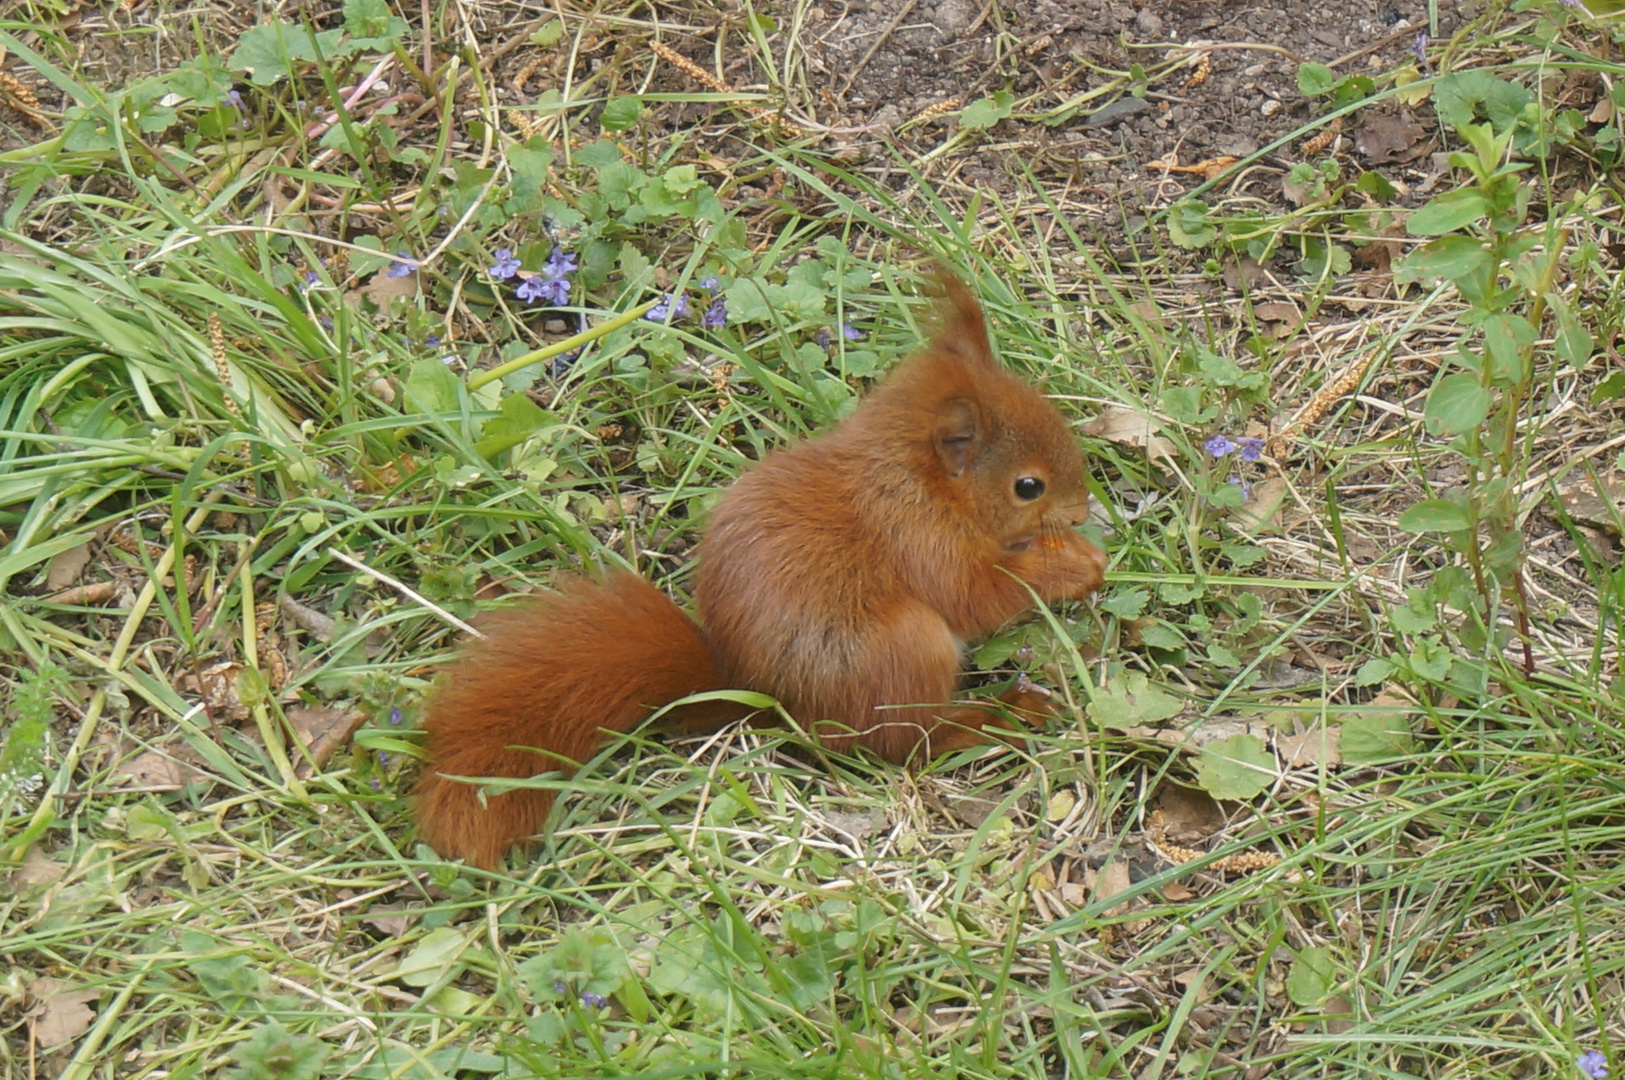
{"points": [[1380, 735], [1235, 768], [1129, 700], [434, 955], [986, 112], [1309, 982]]}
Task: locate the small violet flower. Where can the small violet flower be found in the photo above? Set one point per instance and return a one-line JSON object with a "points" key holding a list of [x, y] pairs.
{"points": [[1252, 448], [403, 266], [506, 266], [1219, 446], [558, 986], [395, 715], [822, 339], [716, 316], [1578, 5], [311, 278], [591, 1000], [669, 310], [711, 284], [1593, 1064], [235, 99], [1419, 49], [559, 264], [554, 291], [377, 784], [850, 332]]}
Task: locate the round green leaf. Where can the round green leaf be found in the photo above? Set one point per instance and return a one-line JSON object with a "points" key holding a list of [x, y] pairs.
{"points": [[620, 113], [1457, 403], [1434, 515], [1313, 973], [1235, 768]]}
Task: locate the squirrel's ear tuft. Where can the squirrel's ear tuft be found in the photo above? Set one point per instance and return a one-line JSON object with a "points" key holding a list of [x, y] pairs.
{"points": [[961, 329]]}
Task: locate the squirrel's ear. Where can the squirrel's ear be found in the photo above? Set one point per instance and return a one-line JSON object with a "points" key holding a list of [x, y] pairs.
{"points": [[961, 327], [955, 436]]}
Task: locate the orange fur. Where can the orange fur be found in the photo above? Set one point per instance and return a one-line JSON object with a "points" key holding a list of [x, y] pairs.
{"points": [[843, 576]]}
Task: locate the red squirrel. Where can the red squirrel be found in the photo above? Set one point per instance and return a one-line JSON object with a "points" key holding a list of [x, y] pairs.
{"points": [[844, 576]]}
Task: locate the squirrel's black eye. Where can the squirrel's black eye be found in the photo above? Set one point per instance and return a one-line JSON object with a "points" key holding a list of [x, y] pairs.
{"points": [[1029, 488]]}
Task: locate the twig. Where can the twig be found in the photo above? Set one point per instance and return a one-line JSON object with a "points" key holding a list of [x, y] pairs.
{"points": [[404, 591]]}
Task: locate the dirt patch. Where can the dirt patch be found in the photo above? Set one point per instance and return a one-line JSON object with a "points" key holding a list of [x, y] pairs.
{"points": [[882, 65]]}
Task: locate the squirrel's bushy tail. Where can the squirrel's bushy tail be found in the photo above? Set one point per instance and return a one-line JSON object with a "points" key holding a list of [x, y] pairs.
{"points": [[539, 694]]}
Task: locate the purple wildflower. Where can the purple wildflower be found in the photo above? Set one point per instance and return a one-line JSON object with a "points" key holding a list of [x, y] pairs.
{"points": [[850, 332], [558, 986], [822, 338], [716, 316], [1252, 448], [395, 715], [311, 278], [1219, 446], [669, 310], [1419, 49], [377, 784], [559, 264], [431, 341], [591, 1000], [403, 265], [235, 99], [384, 759], [711, 284], [1578, 5], [554, 291], [1593, 1064], [506, 265]]}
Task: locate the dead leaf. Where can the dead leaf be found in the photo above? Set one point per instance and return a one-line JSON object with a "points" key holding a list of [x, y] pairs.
{"points": [[308, 619], [1132, 428], [1190, 816], [1207, 170], [391, 923], [383, 289], [1314, 747], [322, 730], [60, 1015], [1261, 513], [1385, 138], [216, 687], [66, 566], [857, 826], [37, 869], [1279, 319], [97, 592], [154, 769], [972, 811], [1109, 881], [1244, 273]]}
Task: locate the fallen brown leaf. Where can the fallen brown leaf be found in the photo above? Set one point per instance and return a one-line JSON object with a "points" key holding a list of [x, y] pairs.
{"points": [[66, 566], [323, 730], [60, 1015], [1132, 428], [37, 869]]}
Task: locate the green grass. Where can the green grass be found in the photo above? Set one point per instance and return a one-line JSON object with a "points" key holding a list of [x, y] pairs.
{"points": [[1441, 900]]}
